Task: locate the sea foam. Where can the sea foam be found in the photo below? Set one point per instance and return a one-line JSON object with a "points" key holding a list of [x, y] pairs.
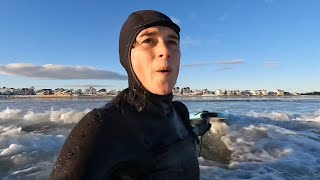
{"points": [[62, 115]]}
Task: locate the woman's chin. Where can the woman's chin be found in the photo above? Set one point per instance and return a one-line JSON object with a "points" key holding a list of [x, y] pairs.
{"points": [[161, 91]]}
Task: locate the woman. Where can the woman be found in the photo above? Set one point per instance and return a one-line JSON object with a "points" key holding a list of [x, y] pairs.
{"points": [[141, 133]]}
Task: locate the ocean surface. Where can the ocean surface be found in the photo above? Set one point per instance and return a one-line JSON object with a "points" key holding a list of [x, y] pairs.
{"points": [[262, 138]]}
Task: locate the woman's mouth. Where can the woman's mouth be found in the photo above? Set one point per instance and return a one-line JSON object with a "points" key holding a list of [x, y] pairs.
{"points": [[164, 70]]}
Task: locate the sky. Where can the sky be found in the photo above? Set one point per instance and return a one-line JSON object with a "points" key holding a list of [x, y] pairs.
{"points": [[225, 44]]}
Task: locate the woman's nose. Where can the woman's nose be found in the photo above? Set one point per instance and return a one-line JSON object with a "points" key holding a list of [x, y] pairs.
{"points": [[163, 50]]}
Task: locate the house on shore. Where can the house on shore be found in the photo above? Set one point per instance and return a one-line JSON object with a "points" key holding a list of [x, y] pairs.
{"points": [[45, 92], [280, 92], [90, 91]]}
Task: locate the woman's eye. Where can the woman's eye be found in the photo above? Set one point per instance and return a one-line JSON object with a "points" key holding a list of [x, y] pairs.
{"points": [[173, 42], [148, 41]]}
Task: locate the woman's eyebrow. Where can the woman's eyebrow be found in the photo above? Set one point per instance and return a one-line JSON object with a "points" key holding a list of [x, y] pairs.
{"points": [[173, 36], [148, 34]]}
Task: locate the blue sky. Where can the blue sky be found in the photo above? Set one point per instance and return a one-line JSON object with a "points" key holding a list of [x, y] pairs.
{"points": [[225, 44]]}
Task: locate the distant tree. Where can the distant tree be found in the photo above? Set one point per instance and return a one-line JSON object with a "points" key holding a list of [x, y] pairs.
{"points": [[102, 90], [32, 90], [311, 93]]}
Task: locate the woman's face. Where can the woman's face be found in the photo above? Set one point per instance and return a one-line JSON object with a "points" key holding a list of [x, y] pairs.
{"points": [[155, 59]]}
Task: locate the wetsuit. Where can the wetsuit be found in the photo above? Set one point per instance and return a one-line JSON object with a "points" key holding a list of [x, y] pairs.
{"points": [[120, 142]]}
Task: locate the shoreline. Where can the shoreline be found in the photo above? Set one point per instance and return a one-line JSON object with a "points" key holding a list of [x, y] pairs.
{"points": [[56, 97], [176, 97]]}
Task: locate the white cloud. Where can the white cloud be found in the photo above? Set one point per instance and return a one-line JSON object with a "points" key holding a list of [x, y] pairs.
{"points": [[223, 69], [175, 20], [196, 64], [271, 64], [235, 61], [229, 62], [51, 71]]}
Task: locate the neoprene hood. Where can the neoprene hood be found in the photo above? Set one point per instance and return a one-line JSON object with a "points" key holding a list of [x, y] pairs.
{"points": [[136, 22]]}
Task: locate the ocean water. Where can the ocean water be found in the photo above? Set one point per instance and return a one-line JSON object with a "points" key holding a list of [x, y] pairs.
{"points": [[262, 138]]}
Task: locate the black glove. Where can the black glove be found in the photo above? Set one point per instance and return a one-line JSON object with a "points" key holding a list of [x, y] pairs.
{"points": [[201, 127]]}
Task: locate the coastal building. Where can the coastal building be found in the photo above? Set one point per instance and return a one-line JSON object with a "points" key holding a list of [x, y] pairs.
{"points": [[280, 92], [102, 92], [295, 94], [40, 92], [112, 92], [176, 90], [186, 91], [237, 92], [233, 93], [24, 91], [62, 92], [219, 92], [59, 89], [253, 92], [44, 92], [272, 93], [229, 93], [5, 91], [261, 92], [77, 91], [258, 92], [65, 92], [246, 93], [264, 92], [206, 92], [90, 91]]}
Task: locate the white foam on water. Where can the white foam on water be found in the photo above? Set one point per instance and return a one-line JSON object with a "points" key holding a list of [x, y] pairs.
{"points": [[37, 171], [280, 116], [18, 143], [10, 131], [31, 116], [62, 115], [12, 149], [315, 117], [23, 158], [219, 128], [11, 114], [265, 148], [217, 173], [22, 153], [67, 116], [266, 145], [29, 138]]}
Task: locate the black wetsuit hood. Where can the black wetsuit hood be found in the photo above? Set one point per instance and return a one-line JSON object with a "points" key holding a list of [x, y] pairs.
{"points": [[137, 95]]}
